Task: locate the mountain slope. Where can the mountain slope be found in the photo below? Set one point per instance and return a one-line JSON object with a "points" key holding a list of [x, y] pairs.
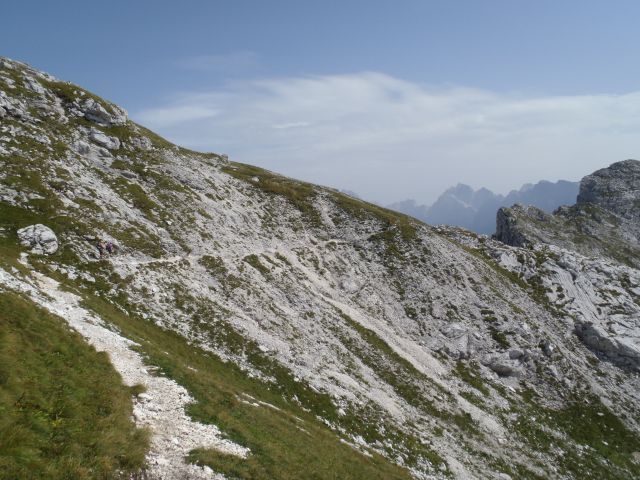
{"points": [[329, 337]]}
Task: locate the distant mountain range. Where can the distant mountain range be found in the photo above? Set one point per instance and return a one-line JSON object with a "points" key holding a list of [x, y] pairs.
{"points": [[476, 209]]}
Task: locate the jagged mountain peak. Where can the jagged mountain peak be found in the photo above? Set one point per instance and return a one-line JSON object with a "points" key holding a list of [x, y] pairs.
{"points": [[475, 210], [282, 328]]}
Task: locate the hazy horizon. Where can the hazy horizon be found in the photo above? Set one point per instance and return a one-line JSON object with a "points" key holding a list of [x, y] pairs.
{"points": [[389, 101]]}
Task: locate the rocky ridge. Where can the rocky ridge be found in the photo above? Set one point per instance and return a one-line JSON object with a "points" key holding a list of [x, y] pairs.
{"points": [[433, 350], [603, 222]]}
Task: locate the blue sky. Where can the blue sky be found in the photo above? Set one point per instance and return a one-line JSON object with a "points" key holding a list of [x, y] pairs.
{"points": [[389, 99]]}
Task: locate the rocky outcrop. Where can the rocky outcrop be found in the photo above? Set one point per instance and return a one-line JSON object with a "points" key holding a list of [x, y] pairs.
{"points": [[621, 349], [110, 143], [605, 221], [95, 112], [39, 238], [615, 188], [507, 225], [504, 365]]}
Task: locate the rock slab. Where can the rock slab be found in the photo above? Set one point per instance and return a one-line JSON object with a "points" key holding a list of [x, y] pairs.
{"points": [[40, 238]]}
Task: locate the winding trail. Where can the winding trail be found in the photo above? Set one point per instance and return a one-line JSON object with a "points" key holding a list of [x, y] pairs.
{"points": [[161, 408]]}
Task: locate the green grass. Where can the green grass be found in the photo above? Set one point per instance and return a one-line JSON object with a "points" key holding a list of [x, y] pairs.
{"points": [[301, 195], [214, 265], [470, 374], [69, 92], [64, 413], [398, 223], [255, 262], [610, 445], [499, 337]]}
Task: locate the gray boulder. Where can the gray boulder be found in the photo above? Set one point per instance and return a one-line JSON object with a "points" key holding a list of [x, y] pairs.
{"points": [[39, 238], [503, 366], [142, 143], [33, 85], [111, 143], [95, 112]]}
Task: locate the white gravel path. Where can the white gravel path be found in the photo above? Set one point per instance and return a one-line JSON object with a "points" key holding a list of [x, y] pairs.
{"points": [[161, 408]]}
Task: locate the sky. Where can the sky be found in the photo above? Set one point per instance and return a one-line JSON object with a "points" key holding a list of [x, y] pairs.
{"points": [[389, 99]]}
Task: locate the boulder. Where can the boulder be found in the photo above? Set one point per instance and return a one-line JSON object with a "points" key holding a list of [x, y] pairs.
{"points": [[111, 143], [142, 143], [40, 238], [34, 85], [95, 112], [515, 354], [459, 342], [504, 367]]}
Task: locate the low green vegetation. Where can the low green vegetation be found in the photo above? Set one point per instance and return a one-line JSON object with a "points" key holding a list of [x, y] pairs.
{"points": [[397, 222], [255, 262], [598, 445], [499, 337], [214, 265], [64, 412], [470, 374]]}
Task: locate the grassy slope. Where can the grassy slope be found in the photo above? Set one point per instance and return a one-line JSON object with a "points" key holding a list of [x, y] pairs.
{"points": [[64, 412]]}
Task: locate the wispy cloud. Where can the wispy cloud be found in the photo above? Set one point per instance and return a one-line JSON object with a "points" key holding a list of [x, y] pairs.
{"points": [[232, 62], [387, 138], [286, 126], [177, 115]]}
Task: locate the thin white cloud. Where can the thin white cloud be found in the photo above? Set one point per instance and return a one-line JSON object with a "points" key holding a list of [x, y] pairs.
{"points": [[286, 126], [176, 115], [389, 139]]}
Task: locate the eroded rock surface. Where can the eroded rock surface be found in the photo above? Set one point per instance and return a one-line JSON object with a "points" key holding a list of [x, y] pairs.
{"points": [[39, 238]]}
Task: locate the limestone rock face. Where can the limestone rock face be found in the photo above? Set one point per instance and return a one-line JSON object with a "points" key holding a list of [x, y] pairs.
{"points": [[616, 188], [33, 85], [605, 221], [507, 230], [622, 348], [40, 238]]}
